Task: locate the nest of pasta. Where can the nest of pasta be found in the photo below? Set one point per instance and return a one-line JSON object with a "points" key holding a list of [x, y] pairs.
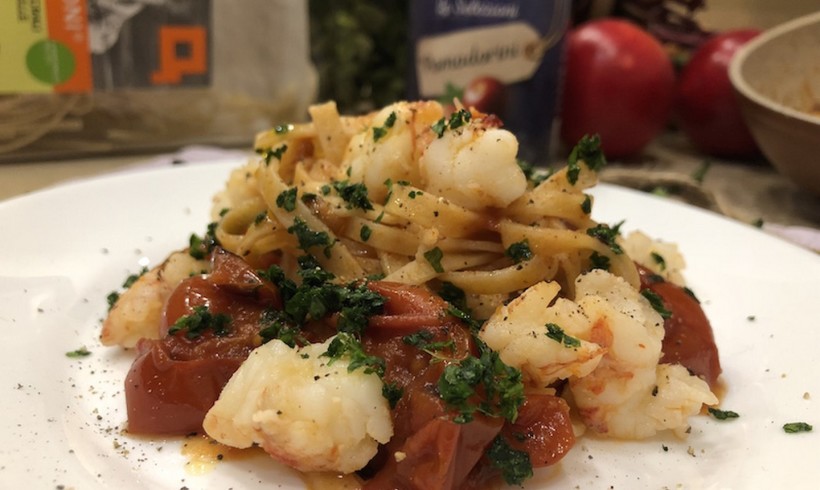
{"points": [[397, 298]]}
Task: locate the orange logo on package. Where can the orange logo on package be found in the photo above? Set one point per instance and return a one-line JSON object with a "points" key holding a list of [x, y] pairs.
{"points": [[172, 66]]}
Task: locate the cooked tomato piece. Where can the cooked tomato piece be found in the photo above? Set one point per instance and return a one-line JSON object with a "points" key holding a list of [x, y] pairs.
{"points": [[689, 340], [175, 380]]}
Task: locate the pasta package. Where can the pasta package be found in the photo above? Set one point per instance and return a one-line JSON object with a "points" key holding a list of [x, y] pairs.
{"points": [[397, 299], [94, 77]]}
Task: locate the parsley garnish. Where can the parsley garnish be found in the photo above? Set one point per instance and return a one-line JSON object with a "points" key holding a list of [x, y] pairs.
{"points": [[606, 235], [365, 232], [515, 465], [260, 217], [722, 414], [114, 296], [658, 258], [439, 126], [462, 315], [268, 153], [132, 278], [557, 334], [533, 175], [78, 353], [519, 251], [379, 132], [355, 195], [434, 256], [199, 248], [794, 427], [287, 199], [588, 149], [503, 389], [453, 295], [586, 206], [457, 119], [275, 325], [199, 321], [317, 297], [283, 128], [347, 345], [598, 261], [308, 238], [657, 303], [112, 299], [423, 340], [393, 393]]}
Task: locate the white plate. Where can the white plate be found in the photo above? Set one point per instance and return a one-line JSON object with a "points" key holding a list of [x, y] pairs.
{"points": [[63, 250]]}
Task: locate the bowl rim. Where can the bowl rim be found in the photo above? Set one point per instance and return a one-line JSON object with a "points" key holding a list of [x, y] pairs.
{"points": [[740, 57]]}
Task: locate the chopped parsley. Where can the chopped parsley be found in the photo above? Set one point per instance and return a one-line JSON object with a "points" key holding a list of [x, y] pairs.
{"points": [[317, 297], [114, 296], [598, 261], [260, 217], [308, 238], [515, 465], [201, 247], [132, 278], [503, 390], [276, 325], [794, 427], [453, 295], [657, 303], [607, 235], [423, 340], [347, 345], [586, 206], [200, 321], [287, 199], [588, 149], [355, 195], [380, 131], [533, 175], [557, 334], [392, 393], [519, 251], [722, 414], [434, 256], [112, 299], [365, 232], [457, 119], [462, 315], [269, 153], [658, 258], [78, 353]]}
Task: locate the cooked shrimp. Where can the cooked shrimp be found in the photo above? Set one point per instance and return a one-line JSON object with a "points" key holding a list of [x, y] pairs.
{"points": [[138, 311], [389, 148], [543, 341], [474, 166], [629, 395], [305, 412], [662, 258]]}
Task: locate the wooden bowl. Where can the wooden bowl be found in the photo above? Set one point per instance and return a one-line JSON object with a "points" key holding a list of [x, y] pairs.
{"points": [[777, 79]]}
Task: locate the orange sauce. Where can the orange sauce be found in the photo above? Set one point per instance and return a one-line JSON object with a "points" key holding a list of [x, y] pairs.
{"points": [[203, 454]]}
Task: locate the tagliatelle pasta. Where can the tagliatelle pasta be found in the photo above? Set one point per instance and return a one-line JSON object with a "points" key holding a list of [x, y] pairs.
{"points": [[412, 220], [373, 287]]}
